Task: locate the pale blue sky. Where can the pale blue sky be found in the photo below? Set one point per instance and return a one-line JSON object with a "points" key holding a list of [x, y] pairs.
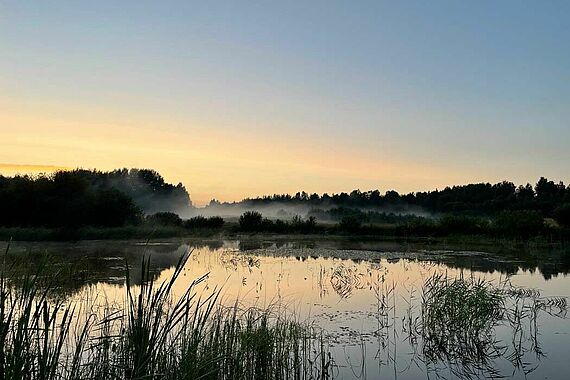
{"points": [[479, 90]]}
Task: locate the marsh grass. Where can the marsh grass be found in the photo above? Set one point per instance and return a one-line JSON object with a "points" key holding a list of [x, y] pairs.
{"points": [[461, 327], [154, 335], [456, 310], [458, 321]]}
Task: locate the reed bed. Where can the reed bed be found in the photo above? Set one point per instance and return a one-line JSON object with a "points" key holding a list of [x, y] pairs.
{"points": [[459, 318], [462, 327], [154, 336]]}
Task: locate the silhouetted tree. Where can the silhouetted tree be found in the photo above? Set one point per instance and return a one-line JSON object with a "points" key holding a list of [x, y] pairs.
{"points": [[64, 199], [350, 223], [481, 199], [562, 215], [250, 221], [214, 222], [164, 219], [461, 224], [519, 223]]}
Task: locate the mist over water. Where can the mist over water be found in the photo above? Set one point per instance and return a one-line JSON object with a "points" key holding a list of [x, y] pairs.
{"points": [[285, 211]]}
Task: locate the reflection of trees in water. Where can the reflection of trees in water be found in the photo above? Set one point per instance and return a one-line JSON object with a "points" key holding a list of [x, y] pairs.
{"points": [[86, 263], [549, 263], [508, 259], [69, 269], [489, 259], [251, 244]]}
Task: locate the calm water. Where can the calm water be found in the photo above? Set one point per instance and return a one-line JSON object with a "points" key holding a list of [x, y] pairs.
{"points": [[366, 297]]}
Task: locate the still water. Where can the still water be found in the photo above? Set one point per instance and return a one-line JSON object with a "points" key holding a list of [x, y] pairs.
{"points": [[365, 297]]}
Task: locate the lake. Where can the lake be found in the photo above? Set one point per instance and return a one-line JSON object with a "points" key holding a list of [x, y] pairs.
{"points": [[367, 298]]}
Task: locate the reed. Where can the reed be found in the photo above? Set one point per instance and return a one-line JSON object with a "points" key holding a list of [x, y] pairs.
{"points": [[153, 336]]}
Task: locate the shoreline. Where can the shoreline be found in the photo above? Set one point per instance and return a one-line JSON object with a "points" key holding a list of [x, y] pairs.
{"points": [[169, 235]]}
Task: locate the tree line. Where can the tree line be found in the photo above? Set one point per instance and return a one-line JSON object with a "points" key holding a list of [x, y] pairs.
{"points": [[546, 196], [78, 198], [87, 198]]}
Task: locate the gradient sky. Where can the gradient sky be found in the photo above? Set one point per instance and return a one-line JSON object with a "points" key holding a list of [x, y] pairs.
{"points": [[242, 99]]}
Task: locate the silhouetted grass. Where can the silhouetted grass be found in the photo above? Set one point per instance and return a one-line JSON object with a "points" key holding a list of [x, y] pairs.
{"points": [[154, 336], [456, 330], [459, 318]]}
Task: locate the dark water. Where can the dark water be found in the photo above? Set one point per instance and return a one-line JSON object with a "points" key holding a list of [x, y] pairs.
{"points": [[366, 296]]}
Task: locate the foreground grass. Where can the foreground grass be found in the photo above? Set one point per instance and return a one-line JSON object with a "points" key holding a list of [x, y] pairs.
{"points": [[154, 336]]}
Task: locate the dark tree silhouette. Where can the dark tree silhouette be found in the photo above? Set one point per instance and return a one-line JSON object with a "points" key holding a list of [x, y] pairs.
{"points": [[482, 199], [65, 199], [562, 215], [87, 198], [213, 222], [164, 219], [251, 221]]}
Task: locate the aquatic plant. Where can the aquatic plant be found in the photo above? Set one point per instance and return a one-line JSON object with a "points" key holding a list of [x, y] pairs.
{"points": [[153, 336], [458, 321], [454, 327]]}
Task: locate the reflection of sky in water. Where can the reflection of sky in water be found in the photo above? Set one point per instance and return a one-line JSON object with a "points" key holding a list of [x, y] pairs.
{"points": [[341, 296]]}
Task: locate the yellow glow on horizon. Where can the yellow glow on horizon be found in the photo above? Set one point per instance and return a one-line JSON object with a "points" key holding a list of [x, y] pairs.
{"points": [[21, 169], [211, 163]]}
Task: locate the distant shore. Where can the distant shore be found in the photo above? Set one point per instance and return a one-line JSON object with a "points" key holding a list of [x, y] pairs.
{"points": [[230, 232]]}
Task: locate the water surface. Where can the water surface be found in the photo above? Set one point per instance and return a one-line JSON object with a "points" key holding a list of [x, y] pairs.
{"points": [[365, 297]]}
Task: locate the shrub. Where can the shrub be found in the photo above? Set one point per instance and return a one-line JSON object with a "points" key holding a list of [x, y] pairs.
{"points": [[280, 226], [350, 224], [419, 226], [519, 223], [214, 222], [562, 215], [266, 225], [251, 221], [459, 224], [164, 219], [304, 226]]}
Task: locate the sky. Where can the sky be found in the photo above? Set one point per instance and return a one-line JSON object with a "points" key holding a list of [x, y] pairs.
{"points": [[239, 99]]}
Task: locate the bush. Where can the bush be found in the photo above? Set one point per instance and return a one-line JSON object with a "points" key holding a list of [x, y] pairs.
{"points": [[251, 221], [304, 226], [164, 219], [562, 215], [519, 223], [214, 222], [350, 224], [419, 226], [459, 224], [280, 226], [266, 225]]}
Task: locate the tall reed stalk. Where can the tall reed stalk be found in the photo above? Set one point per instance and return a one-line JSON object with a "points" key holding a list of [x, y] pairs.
{"points": [[154, 336]]}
